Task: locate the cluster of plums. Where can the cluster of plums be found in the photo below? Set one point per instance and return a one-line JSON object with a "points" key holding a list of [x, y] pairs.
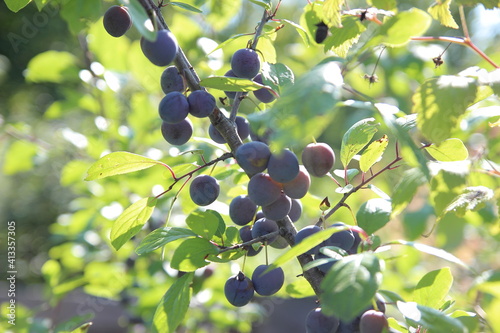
{"points": [[277, 180]]}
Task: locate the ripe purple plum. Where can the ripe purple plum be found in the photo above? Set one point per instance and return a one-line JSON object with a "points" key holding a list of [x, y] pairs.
{"points": [[163, 50], [172, 80], [283, 166], [177, 134], [318, 158], [204, 190], [245, 63], [239, 290], [173, 107], [117, 21], [201, 103]]}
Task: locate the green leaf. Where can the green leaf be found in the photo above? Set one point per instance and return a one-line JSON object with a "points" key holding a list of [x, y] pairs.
{"points": [[162, 236], [293, 120], [266, 4], [230, 83], [374, 214], [398, 29], [433, 288], [430, 319], [191, 254], [350, 285], [119, 163], [440, 10], [406, 189], [19, 157], [372, 153], [140, 18], [174, 305], [331, 12], [79, 14], [356, 138], [300, 289], [450, 150], [343, 38], [469, 319], [82, 328], [52, 66], [440, 253], [204, 223], [305, 245], [16, 5], [185, 6], [471, 198], [446, 186], [300, 30], [131, 221], [277, 76], [440, 103]]}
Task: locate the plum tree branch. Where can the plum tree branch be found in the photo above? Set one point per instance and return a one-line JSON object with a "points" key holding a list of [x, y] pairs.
{"points": [[229, 133]]}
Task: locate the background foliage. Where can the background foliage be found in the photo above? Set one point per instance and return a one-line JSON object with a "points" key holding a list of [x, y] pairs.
{"points": [[70, 93]]}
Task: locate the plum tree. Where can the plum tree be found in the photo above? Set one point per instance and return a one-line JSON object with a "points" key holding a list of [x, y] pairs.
{"points": [[297, 188], [279, 209], [269, 283], [263, 190], [117, 21], [172, 80], [204, 190], [317, 322], [373, 321], [283, 166], [162, 50], [253, 157], [245, 63], [263, 227], [318, 158], [173, 107], [263, 94], [201, 103], [179, 133], [306, 232], [242, 210], [239, 289]]}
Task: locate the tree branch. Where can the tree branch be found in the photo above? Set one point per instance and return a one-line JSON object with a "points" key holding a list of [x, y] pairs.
{"points": [[228, 131]]}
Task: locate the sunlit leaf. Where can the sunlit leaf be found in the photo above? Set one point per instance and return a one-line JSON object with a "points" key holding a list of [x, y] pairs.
{"points": [[174, 305], [440, 10], [343, 38], [374, 214], [356, 138], [131, 221], [398, 30], [450, 150], [440, 103], [428, 318], [52, 66], [350, 285], [433, 288], [185, 6], [16, 5], [230, 83], [470, 199], [162, 236], [118, 163], [373, 153], [191, 254]]}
